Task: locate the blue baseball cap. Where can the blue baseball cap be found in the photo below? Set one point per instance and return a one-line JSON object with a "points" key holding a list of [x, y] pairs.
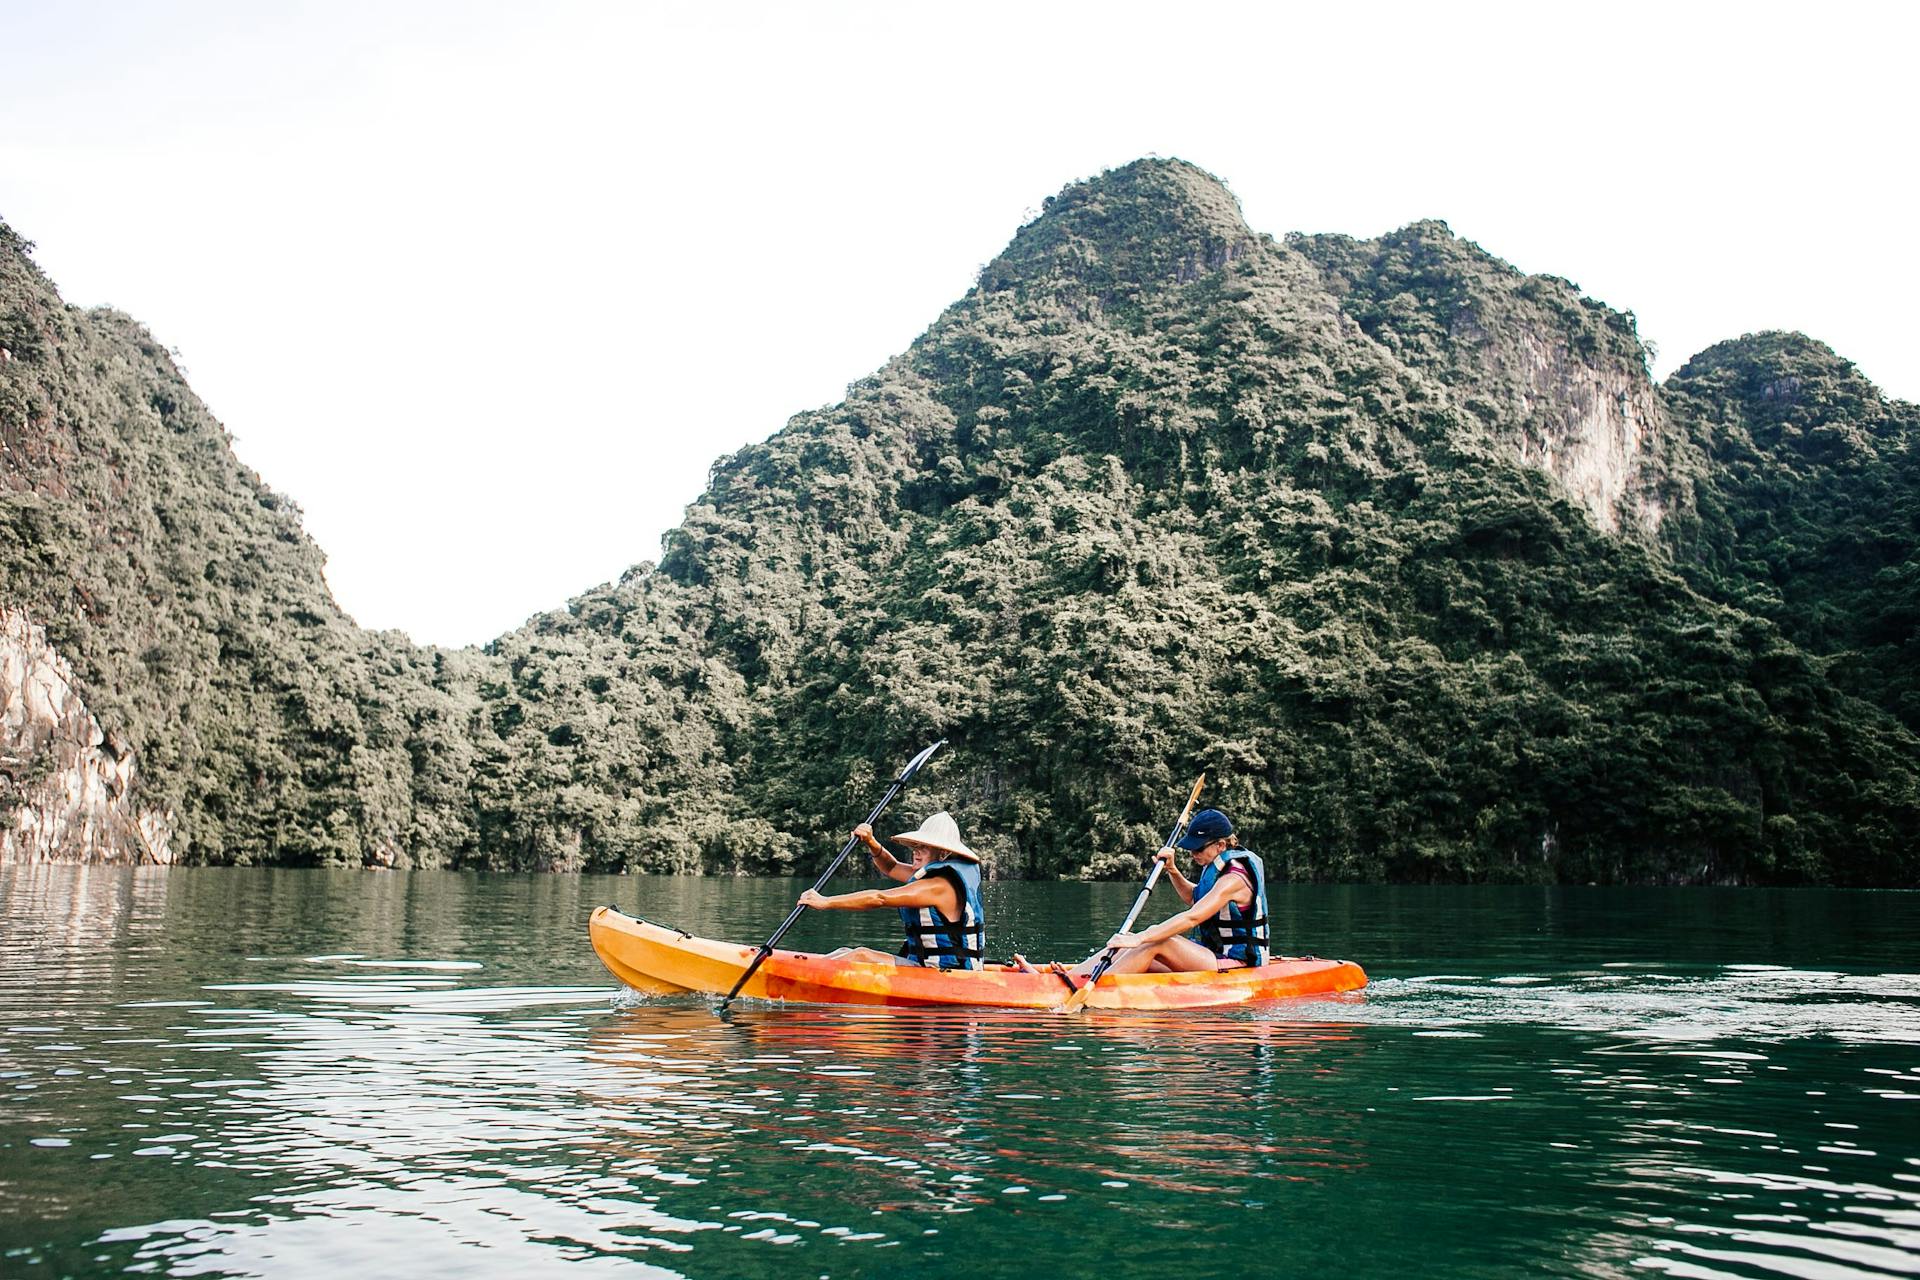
{"points": [[1207, 826]]}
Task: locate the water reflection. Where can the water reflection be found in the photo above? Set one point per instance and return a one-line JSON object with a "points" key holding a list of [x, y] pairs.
{"points": [[935, 1100], [1787, 1225], [271, 1074]]}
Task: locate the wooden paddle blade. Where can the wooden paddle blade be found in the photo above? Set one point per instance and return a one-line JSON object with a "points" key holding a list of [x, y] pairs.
{"points": [[1078, 998], [1194, 799]]}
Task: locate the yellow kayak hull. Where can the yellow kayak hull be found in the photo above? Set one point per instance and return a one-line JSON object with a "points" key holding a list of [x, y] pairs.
{"points": [[657, 960]]}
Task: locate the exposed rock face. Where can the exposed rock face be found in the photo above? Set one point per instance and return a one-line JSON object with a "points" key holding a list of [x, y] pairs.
{"points": [[68, 789], [1557, 377], [1591, 426]]}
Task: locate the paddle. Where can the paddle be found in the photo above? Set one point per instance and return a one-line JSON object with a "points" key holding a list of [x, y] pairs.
{"points": [[1079, 997], [766, 949]]}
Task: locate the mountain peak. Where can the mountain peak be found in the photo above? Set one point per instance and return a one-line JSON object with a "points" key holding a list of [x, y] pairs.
{"points": [[1159, 181], [1757, 364], [1794, 395], [1154, 221]]}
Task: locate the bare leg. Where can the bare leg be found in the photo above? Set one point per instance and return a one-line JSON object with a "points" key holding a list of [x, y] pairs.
{"points": [[1175, 955]]}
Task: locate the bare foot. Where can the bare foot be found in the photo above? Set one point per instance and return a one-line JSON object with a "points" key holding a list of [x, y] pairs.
{"points": [[1021, 963]]}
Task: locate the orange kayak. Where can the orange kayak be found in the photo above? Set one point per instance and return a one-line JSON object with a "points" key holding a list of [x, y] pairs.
{"points": [[657, 960]]}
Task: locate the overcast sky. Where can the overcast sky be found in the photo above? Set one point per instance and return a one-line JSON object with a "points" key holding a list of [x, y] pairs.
{"points": [[486, 288]]}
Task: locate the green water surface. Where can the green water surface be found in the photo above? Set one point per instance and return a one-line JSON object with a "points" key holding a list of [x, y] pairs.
{"points": [[306, 1073]]}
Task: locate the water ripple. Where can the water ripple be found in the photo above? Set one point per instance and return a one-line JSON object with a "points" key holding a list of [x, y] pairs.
{"points": [[287, 1076]]}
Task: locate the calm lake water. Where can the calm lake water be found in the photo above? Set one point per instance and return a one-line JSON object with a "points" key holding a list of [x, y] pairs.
{"points": [[304, 1073]]}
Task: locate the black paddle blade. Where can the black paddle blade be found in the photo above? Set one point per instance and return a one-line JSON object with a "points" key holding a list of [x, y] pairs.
{"points": [[913, 765]]}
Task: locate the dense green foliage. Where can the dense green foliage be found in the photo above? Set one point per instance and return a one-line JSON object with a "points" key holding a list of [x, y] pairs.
{"points": [[1157, 495], [192, 607], [1809, 509]]}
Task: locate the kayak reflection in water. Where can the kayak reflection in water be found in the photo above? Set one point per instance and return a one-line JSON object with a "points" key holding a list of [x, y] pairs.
{"points": [[939, 901], [1228, 912]]}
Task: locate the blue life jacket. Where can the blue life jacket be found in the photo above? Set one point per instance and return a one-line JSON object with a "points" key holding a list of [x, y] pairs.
{"points": [[947, 944], [1237, 933]]}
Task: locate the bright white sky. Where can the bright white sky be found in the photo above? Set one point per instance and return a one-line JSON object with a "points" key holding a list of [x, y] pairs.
{"points": [[487, 287]]}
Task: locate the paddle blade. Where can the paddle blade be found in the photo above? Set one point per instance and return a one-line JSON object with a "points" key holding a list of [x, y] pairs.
{"points": [[913, 765], [1073, 1003], [1186, 814]]}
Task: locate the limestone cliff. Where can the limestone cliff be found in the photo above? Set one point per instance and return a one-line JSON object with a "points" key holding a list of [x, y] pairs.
{"points": [[67, 787], [1560, 379], [1592, 425], [192, 609]]}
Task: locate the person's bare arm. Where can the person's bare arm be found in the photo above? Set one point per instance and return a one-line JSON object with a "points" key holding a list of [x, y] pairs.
{"points": [[934, 891], [883, 861], [1231, 888], [1169, 857]]}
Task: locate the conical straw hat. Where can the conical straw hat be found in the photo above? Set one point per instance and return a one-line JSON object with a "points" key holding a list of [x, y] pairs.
{"points": [[941, 834]]}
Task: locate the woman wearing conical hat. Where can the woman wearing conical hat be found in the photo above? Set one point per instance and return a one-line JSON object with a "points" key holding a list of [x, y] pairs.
{"points": [[938, 899]]}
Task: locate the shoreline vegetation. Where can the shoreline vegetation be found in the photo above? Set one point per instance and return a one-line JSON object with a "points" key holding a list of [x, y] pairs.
{"points": [[1402, 547]]}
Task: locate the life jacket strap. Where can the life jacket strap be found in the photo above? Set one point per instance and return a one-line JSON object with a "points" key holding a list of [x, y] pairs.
{"points": [[929, 930], [923, 941]]}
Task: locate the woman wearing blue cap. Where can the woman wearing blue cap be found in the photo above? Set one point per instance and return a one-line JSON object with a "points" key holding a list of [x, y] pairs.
{"points": [[1228, 911]]}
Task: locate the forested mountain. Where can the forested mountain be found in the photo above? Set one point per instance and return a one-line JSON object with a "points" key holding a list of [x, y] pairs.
{"points": [[1401, 545], [258, 722]]}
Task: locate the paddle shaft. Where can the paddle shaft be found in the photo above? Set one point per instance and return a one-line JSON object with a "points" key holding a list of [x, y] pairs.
{"points": [[1140, 901], [1146, 891], [766, 948]]}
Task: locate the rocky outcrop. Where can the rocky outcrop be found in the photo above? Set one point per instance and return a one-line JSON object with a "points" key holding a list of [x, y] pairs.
{"points": [[1558, 378], [67, 791], [1590, 423]]}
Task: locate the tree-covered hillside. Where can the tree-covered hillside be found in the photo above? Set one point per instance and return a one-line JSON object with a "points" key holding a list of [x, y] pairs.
{"points": [[1809, 511], [192, 607], [1400, 545]]}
